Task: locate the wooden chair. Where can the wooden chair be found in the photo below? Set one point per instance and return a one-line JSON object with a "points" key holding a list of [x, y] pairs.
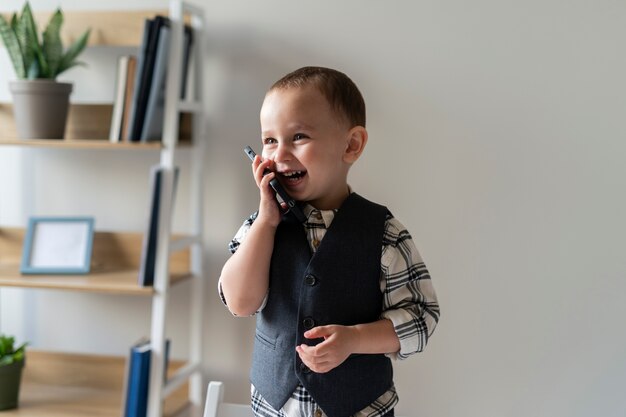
{"points": [[216, 407]]}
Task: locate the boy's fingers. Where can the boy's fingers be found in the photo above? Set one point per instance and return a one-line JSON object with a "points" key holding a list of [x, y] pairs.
{"points": [[315, 332], [312, 353]]}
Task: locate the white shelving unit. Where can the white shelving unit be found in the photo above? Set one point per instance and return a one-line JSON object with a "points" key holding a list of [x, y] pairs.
{"points": [[173, 108], [177, 259]]}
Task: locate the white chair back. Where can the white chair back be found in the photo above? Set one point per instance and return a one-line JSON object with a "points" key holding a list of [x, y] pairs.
{"points": [[216, 407]]}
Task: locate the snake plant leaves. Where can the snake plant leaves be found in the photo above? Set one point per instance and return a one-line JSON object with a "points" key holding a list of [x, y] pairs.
{"points": [[69, 58], [52, 47], [32, 59], [9, 38]]}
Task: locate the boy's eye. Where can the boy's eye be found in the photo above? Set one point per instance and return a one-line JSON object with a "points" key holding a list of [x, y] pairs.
{"points": [[269, 141], [299, 136]]}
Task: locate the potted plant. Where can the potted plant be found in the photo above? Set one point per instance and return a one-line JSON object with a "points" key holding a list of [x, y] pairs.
{"points": [[11, 364], [40, 102]]}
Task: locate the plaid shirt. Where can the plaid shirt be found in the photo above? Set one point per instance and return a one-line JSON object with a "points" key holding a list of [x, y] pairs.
{"points": [[409, 301]]}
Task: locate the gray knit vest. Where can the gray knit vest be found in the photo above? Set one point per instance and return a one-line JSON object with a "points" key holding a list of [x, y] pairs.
{"points": [[339, 284]]}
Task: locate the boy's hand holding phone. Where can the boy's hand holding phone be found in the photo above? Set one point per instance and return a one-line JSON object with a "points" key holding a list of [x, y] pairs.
{"points": [[266, 178], [268, 207]]}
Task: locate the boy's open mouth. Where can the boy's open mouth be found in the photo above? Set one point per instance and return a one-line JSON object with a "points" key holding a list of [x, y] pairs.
{"points": [[292, 176]]}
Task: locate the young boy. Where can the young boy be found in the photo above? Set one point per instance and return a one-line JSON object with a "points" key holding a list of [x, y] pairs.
{"points": [[339, 295]]}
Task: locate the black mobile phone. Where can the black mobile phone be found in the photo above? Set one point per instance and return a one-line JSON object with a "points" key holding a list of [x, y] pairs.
{"points": [[292, 205]]}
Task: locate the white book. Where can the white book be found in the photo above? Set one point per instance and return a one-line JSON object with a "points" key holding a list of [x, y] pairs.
{"points": [[117, 115]]}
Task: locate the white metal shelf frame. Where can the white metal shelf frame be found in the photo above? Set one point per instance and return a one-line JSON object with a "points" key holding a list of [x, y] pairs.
{"points": [[174, 105]]}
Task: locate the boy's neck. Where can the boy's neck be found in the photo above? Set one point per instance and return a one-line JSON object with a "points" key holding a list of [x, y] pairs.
{"points": [[332, 202]]}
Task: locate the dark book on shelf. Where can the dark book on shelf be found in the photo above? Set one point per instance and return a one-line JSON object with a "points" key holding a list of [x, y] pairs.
{"points": [[148, 252], [150, 237], [138, 380], [155, 109], [145, 41], [143, 81], [152, 128], [188, 42], [138, 377]]}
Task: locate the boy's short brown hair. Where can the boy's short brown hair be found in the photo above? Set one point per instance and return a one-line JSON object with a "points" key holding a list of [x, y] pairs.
{"points": [[340, 91]]}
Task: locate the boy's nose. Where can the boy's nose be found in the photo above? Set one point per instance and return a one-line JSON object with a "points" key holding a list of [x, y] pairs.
{"points": [[283, 153]]}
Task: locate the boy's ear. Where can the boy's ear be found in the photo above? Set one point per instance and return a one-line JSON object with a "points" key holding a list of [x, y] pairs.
{"points": [[357, 139]]}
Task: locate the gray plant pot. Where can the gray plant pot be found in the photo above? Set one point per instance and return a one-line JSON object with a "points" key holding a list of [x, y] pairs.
{"points": [[40, 108]]}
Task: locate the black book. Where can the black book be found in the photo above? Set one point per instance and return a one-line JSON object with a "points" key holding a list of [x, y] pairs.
{"points": [[152, 128], [141, 57], [188, 42], [148, 253], [155, 108], [145, 77], [150, 238]]}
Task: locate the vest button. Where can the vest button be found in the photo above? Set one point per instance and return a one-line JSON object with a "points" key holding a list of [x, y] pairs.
{"points": [[308, 323], [310, 280]]}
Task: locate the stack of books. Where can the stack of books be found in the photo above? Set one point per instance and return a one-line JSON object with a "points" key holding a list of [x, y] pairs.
{"points": [[139, 101]]}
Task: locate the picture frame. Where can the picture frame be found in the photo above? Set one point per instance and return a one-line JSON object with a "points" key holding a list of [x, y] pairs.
{"points": [[58, 245]]}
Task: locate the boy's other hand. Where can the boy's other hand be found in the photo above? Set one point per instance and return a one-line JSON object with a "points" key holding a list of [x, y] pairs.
{"points": [[339, 343]]}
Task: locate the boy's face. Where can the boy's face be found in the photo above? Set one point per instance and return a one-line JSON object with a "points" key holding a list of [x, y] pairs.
{"points": [[307, 141]]}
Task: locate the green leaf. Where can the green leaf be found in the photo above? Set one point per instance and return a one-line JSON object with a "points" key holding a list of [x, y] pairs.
{"points": [[13, 21], [32, 42], [69, 59], [23, 37], [8, 354], [33, 72], [52, 45], [6, 344], [12, 44]]}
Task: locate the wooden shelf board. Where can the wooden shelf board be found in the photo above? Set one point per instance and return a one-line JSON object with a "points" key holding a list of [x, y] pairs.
{"points": [[77, 385], [87, 128], [80, 144], [113, 282], [115, 265], [108, 27]]}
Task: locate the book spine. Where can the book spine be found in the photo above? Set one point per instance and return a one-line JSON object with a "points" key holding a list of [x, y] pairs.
{"points": [[138, 377], [141, 59], [118, 99], [143, 85], [138, 381], [148, 253], [128, 96], [155, 108]]}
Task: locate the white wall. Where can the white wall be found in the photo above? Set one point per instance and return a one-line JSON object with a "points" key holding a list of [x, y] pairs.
{"points": [[496, 136]]}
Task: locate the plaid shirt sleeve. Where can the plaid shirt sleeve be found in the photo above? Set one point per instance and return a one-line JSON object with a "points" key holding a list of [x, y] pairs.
{"points": [[409, 299], [241, 233], [233, 246]]}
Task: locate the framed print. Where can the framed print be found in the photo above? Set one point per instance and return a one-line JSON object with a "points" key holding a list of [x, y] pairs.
{"points": [[58, 245]]}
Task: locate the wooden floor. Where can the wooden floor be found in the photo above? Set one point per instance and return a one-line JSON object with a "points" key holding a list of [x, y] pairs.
{"points": [[76, 385]]}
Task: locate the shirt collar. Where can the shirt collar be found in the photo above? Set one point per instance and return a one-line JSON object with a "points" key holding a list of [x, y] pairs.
{"points": [[316, 216]]}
